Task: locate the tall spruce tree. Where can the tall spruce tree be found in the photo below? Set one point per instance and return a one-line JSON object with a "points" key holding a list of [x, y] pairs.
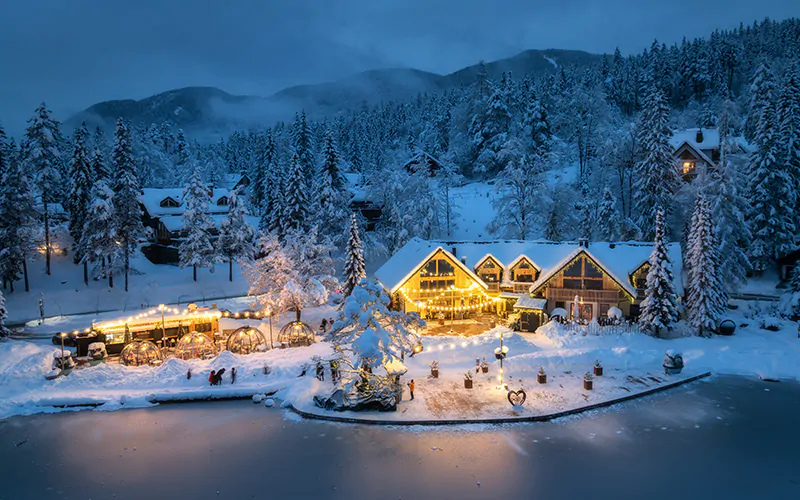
{"points": [[772, 191], [608, 218], [707, 298], [354, 267], [302, 141], [659, 309], [196, 249], [18, 221], [295, 198], [41, 151], [128, 227], [331, 202], [656, 169], [98, 242], [235, 242], [5, 152], [80, 193], [788, 118], [4, 331], [263, 182]]}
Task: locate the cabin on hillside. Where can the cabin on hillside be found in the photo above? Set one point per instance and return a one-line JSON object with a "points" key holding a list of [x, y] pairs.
{"points": [[162, 211], [423, 161], [698, 149], [463, 279], [362, 200]]}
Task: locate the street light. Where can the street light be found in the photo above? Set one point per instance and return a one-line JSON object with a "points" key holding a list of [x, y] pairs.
{"points": [[62, 335], [162, 307], [269, 315]]}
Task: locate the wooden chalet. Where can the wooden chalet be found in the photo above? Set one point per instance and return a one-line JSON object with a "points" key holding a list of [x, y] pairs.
{"points": [[698, 149], [462, 279]]}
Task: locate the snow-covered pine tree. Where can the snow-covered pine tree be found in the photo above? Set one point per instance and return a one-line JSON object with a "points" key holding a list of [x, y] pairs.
{"points": [[659, 309], [196, 249], [538, 124], [729, 207], [302, 141], [5, 152], [331, 199], [41, 152], [80, 192], [264, 184], [18, 221], [608, 218], [128, 228], [790, 301], [295, 209], [97, 244], [517, 200], [789, 128], [772, 192], [761, 100], [315, 277], [707, 298], [656, 171], [370, 332], [3, 316], [236, 236], [354, 267]]}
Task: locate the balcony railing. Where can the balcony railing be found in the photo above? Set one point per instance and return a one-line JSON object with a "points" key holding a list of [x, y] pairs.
{"points": [[568, 295]]}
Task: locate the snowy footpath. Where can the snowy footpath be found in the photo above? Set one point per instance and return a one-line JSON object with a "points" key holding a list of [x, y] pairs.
{"points": [[631, 362]]}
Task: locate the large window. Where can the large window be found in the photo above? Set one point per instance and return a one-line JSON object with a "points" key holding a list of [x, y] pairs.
{"points": [[524, 272], [490, 272], [432, 273], [582, 274]]}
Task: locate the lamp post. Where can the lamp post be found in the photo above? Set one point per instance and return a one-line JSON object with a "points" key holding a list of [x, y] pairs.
{"points": [[269, 315], [500, 353], [61, 361], [161, 308]]}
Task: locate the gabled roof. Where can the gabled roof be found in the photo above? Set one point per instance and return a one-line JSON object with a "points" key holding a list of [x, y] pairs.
{"points": [[618, 260], [151, 199], [623, 283], [696, 152], [415, 254], [710, 140]]}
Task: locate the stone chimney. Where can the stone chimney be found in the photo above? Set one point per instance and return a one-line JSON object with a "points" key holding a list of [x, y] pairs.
{"points": [[464, 259], [699, 137], [583, 242], [453, 251]]}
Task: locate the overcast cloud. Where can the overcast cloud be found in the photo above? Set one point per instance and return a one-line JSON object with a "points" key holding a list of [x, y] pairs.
{"points": [[73, 53]]}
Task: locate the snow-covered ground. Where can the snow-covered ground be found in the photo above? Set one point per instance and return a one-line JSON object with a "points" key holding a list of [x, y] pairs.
{"points": [[750, 352], [65, 293]]}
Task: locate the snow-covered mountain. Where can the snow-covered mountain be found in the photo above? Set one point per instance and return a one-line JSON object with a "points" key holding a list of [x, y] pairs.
{"points": [[210, 109]]}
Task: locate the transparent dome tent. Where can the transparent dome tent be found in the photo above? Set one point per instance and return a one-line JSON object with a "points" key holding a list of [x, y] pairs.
{"points": [[195, 345], [141, 352], [295, 334], [246, 340]]}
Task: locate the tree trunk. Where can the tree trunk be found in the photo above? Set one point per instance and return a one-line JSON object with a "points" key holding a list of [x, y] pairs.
{"points": [[127, 267], [11, 283], [109, 273], [25, 273], [230, 270], [194, 272], [85, 273], [297, 313], [46, 237]]}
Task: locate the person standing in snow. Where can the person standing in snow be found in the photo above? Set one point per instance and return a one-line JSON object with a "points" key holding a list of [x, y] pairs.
{"points": [[211, 377], [324, 325], [411, 389], [334, 371], [320, 371], [233, 375], [41, 309]]}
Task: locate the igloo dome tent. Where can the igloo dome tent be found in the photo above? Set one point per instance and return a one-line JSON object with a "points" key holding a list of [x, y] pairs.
{"points": [[246, 340], [295, 334], [141, 352], [195, 345]]}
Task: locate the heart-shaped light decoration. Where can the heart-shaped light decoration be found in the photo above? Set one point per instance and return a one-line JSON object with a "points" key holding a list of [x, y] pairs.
{"points": [[517, 398]]}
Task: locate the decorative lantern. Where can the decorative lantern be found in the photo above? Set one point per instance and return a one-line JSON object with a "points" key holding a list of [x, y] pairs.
{"points": [[246, 340], [141, 352], [195, 345]]}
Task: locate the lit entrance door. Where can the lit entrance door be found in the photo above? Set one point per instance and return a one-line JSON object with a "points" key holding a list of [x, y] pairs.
{"points": [[585, 311]]}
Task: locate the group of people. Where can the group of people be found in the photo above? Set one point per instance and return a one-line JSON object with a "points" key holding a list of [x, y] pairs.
{"points": [[215, 377], [325, 325]]}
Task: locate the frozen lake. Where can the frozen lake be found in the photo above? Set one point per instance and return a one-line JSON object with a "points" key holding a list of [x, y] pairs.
{"points": [[723, 438]]}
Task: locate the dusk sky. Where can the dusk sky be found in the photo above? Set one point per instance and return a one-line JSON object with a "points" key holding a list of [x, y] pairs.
{"points": [[75, 53]]}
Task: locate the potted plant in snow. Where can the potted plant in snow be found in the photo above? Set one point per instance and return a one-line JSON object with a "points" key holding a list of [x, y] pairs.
{"points": [[673, 362], [484, 365], [541, 377], [598, 368], [440, 317], [435, 369], [588, 381], [468, 380]]}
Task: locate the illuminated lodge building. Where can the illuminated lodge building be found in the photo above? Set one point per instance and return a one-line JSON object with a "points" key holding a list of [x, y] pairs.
{"points": [[460, 280]]}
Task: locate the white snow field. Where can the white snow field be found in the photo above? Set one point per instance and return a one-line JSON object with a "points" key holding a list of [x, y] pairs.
{"points": [[752, 351]]}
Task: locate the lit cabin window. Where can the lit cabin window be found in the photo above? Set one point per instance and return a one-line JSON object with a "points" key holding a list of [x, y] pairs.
{"points": [[223, 201], [169, 202], [687, 167]]}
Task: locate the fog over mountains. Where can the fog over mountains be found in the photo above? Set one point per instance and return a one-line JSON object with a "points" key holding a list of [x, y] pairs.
{"points": [[202, 110]]}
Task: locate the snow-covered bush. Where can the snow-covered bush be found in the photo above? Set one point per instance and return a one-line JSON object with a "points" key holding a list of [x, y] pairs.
{"points": [[673, 359], [770, 323]]}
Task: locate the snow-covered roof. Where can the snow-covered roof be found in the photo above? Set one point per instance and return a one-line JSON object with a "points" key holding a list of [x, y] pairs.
{"points": [[618, 260], [527, 302], [151, 198], [174, 223], [710, 140]]}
